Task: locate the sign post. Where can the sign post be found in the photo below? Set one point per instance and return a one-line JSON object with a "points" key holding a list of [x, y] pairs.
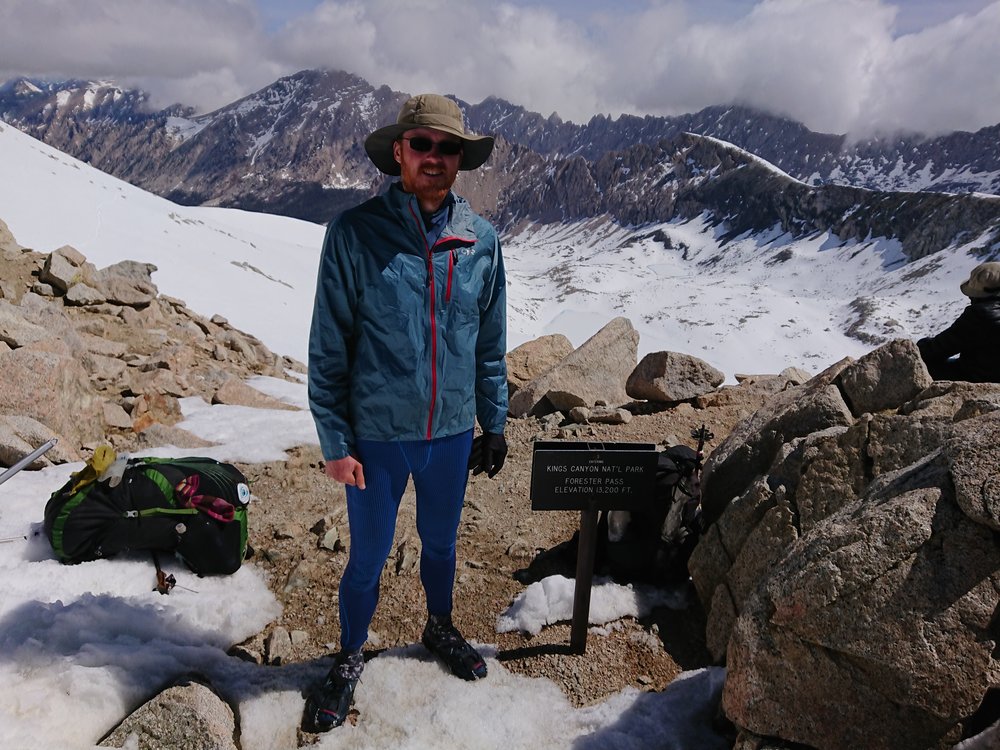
{"points": [[584, 581], [590, 477]]}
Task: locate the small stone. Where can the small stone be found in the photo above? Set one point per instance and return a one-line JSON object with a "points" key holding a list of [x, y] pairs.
{"points": [[407, 558], [331, 541], [272, 555], [83, 294], [519, 548], [71, 254], [287, 530], [116, 416], [299, 577], [551, 421], [278, 646], [610, 416]]}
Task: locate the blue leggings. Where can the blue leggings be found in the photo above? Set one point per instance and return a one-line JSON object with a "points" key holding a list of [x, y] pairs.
{"points": [[440, 471]]}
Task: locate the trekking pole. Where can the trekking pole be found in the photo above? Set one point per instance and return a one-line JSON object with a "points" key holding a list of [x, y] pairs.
{"points": [[703, 435], [163, 582], [27, 460]]}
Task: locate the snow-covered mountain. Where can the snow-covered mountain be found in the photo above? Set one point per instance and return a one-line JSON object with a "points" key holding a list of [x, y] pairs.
{"points": [[255, 270], [753, 302], [295, 146]]}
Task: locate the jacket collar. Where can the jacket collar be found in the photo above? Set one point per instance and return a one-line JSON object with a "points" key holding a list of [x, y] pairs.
{"points": [[460, 222]]}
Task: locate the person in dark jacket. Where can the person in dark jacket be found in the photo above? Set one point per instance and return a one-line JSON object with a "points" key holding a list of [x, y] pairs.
{"points": [[969, 349], [406, 353]]}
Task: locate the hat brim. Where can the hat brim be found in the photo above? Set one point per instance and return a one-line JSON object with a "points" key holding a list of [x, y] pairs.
{"points": [[969, 291], [476, 149], [977, 291]]}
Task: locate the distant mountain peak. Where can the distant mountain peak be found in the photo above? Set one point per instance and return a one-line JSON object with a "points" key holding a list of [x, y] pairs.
{"points": [[296, 147], [24, 87]]}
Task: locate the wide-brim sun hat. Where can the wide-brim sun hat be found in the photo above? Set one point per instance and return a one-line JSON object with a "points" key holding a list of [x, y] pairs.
{"points": [[428, 111], [984, 281]]}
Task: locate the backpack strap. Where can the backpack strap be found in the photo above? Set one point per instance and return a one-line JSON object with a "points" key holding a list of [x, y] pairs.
{"points": [[63, 516], [157, 478], [165, 488]]}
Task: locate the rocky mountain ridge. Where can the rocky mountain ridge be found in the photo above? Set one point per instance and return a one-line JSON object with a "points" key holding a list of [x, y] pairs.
{"points": [[296, 148], [689, 175]]}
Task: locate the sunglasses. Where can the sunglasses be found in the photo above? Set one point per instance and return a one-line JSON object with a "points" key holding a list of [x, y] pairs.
{"points": [[425, 145]]}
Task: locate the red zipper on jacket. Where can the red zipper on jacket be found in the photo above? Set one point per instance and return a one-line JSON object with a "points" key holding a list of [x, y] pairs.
{"points": [[451, 266], [452, 260], [447, 298]]}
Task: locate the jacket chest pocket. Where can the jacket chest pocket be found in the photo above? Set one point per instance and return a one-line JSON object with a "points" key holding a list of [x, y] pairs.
{"points": [[461, 308], [461, 282], [399, 288]]}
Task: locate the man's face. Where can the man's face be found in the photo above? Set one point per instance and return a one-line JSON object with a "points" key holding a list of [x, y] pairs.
{"points": [[427, 174]]}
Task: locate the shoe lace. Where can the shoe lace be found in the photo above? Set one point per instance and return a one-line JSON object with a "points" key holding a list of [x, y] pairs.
{"points": [[444, 634], [350, 666]]}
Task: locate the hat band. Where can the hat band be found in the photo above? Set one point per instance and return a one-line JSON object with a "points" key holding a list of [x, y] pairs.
{"points": [[435, 121]]}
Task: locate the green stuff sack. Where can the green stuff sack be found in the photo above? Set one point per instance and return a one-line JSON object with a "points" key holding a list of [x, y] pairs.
{"points": [[193, 507]]}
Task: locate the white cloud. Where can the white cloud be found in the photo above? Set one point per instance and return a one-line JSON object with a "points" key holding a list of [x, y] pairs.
{"points": [[836, 65], [812, 60], [336, 35], [537, 57], [942, 78], [126, 37], [199, 52]]}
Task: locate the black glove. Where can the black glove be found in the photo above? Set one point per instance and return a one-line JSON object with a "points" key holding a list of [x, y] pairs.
{"points": [[489, 451]]}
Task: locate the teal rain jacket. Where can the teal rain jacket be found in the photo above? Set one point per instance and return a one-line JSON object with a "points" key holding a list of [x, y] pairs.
{"points": [[407, 341]]}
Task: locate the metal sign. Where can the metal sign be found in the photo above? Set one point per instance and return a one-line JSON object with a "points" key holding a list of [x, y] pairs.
{"points": [[592, 476]]}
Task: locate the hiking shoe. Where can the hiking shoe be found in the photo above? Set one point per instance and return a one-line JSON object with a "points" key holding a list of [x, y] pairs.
{"points": [[328, 704], [443, 640]]}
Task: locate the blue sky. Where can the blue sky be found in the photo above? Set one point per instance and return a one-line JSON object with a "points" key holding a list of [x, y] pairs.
{"points": [[854, 66]]}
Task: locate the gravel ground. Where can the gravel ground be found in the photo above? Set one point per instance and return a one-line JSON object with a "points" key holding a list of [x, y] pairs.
{"points": [[299, 533]]}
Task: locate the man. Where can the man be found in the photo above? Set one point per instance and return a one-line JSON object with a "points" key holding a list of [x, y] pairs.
{"points": [[406, 352], [974, 336]]}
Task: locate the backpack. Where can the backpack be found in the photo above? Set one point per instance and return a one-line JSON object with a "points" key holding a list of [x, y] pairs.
{"points": [[653, 545], [194, 507]]}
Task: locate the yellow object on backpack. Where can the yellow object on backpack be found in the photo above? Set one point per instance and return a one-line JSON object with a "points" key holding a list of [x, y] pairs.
{"points": [[97, 464]]}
